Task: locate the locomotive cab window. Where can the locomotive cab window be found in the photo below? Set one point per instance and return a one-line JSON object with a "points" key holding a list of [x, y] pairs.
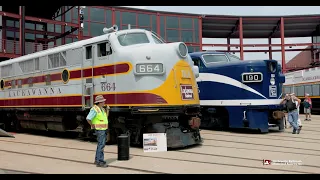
{"points": [[89, 52], [128, 39], [156, 40], [104, 49], [233, 57], [196, 61], [209, 58]]}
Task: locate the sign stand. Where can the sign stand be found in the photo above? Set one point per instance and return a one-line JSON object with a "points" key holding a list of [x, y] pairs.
{"points": [[155, 142]]}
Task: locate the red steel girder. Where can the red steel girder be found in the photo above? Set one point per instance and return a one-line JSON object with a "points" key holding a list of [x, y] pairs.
{"points": [[241, 38], [283, 52], [261, 45], [34, 19], [40, 32], [265, 51], [9, 55]]}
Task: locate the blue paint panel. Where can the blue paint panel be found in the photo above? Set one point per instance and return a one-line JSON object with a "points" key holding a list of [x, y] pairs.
{"points": [[219, 91], [227, 90]]}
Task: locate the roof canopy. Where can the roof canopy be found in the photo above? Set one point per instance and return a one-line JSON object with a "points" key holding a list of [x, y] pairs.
{"points": [[47, 12], [220, 26], [260, 27]]}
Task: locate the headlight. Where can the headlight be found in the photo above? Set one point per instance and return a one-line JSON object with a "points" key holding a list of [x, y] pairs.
{"points": [[272, 81], [272, 67], [183, 50]]}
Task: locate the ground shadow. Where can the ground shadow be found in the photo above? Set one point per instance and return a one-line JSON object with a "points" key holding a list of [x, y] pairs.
{"points": [[244, 130]]}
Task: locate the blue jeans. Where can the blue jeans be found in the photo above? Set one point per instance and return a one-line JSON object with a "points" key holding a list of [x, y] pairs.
{"points": [[293, 119], [101, 138]]}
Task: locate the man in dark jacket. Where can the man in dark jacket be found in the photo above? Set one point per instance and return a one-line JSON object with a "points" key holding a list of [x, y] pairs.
{"points": [[293, 113]]}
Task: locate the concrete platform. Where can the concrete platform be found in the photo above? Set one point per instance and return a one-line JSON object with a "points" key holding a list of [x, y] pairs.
{"points": [[222, 152]]}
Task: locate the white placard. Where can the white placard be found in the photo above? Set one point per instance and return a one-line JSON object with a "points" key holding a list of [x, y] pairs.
{"points": [[155, 142]]}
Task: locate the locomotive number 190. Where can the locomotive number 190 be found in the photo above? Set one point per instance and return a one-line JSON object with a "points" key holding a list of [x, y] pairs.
{"points": [[251, 77]]}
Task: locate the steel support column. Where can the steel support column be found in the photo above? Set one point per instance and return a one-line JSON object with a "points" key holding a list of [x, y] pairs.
{"points": [[4, 33], [200, 32], [228, 42], [270, 48], [283, 53], [63, 28], [22, 28], [114, 17], [158, 24], [241, 38], [79, 25]]}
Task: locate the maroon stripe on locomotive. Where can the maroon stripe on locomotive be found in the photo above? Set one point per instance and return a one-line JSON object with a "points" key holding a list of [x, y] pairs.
{"points": [[112, 99], [97, 71]]}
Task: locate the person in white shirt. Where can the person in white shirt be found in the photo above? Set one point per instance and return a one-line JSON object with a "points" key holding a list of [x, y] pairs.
{"points": [[298, 107]]}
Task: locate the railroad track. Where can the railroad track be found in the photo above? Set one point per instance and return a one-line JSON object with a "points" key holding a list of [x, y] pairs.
{"points": [[147, 156], [220, 151]]}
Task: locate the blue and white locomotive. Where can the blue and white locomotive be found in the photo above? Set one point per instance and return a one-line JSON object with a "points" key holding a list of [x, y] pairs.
{"points": [[239, 94]]}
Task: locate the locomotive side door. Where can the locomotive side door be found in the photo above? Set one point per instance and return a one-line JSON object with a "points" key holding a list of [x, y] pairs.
{"points": [[105, 59], [87, 75]]}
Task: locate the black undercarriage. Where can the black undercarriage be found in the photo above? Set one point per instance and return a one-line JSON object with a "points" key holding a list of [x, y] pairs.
{"points": [[133, 121]]}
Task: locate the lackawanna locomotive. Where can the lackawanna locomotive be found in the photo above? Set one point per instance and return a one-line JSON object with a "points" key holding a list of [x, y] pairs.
{"points": [[239, 94], [150, 86], [303, 82]]}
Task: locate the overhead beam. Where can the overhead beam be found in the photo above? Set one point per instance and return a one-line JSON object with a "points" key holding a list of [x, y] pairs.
{"points": [[29, 18], [262, 45], [260, 50], [63, 35]]}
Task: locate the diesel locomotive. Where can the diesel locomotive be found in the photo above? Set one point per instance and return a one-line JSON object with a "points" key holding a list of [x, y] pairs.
{"points": [[150, 86], [239, 94]]}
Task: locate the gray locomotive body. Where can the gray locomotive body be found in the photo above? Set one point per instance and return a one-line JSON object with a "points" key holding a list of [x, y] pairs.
{"points": [[149, 84]]}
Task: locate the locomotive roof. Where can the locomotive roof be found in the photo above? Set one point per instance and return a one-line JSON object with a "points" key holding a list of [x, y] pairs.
{"points": [[206, 52], [66, 47]]}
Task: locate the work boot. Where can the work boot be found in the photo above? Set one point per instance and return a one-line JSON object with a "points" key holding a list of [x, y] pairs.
{"points": [[95, 162], [298, 131], [102, 164]]}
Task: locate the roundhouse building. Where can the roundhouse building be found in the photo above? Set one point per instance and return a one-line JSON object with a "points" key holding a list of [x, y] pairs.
{"points": [[28, 29], [170, 26]]}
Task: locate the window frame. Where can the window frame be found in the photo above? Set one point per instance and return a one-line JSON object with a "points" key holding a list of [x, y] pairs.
{"points": [[125, 34], [202, 56]]}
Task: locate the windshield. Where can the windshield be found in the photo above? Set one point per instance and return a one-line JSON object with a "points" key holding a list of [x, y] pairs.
{"points": [[157, 35], [233, 57], [128, 39], [214, 58]]}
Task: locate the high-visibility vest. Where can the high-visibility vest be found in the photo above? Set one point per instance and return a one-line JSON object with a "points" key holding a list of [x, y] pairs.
{"points": [[100, 121]]}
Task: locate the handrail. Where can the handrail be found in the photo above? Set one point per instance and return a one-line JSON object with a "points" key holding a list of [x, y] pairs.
{"points": [[13, 47]]}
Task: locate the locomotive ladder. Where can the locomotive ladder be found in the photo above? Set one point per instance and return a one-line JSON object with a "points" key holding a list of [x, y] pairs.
{"points": [[88, 89]]}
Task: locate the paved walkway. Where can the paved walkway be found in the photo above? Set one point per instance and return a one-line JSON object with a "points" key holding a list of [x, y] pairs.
{"points": [[222, 152]]}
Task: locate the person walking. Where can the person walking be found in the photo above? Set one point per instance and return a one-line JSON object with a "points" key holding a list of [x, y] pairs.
{"points": [[293, 113], [98, 120], [298, 108], [307, 107]]}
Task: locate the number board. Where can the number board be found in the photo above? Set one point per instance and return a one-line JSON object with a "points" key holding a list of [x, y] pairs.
{"points": [[252, 77], [149, 68], [272, 91]]}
